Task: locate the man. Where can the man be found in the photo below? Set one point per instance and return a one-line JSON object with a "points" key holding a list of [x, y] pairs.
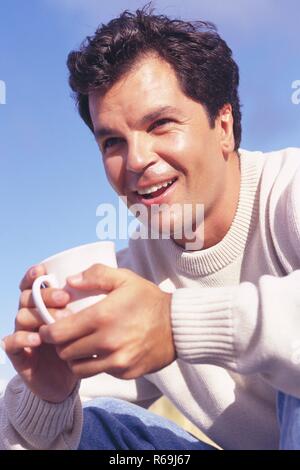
{"points": [[213, 329]]}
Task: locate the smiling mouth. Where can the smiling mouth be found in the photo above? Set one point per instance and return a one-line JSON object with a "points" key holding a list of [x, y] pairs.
{"points": [[158, 192]]}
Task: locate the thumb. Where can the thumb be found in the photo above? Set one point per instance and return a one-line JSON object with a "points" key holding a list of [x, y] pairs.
{"points": [[99, 276], [20, 346]]}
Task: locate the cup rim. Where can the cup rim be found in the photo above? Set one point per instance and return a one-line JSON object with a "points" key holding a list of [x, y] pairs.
{"points": [[77, 248]]}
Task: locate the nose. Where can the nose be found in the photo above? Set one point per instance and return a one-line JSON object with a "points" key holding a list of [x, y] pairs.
{"points": [[139, 155]]}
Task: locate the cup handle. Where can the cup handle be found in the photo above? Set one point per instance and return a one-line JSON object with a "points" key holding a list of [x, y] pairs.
{"points": [[37, 297]]}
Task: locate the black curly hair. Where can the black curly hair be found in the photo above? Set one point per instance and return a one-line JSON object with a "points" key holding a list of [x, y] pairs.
{"points": [[201, 59]]}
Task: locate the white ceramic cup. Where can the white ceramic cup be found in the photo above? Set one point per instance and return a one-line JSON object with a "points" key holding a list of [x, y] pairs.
{"points": [[67, 263]]}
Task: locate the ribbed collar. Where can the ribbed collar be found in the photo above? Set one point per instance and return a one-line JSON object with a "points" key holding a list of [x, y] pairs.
{"points": [[204, 262]]}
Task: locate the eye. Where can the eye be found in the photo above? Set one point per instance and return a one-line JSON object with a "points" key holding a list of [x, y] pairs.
{"points": [[111, 142], [160, 122]]}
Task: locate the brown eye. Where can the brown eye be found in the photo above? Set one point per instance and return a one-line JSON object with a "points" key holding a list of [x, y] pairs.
{"points": [[111, 142], [160, 122]]}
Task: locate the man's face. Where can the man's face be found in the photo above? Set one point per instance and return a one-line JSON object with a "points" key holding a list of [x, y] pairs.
{"points": [[150, 133]]}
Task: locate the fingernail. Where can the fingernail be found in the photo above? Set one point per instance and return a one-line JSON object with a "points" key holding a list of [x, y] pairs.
{"points": [[62, 313], [2, 345], [76, 279], [34, 338], [59, 296], [33, 272]]}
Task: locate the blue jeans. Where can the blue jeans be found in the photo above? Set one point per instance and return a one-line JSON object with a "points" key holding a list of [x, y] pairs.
{"points": [[288, 409], [111, 424]]}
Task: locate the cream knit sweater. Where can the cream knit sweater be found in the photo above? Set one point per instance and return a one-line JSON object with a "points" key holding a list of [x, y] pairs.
{"points": [[235, 319]]}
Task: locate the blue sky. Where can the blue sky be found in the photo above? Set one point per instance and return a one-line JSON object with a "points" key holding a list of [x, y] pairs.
{"points": [[51, 178]]}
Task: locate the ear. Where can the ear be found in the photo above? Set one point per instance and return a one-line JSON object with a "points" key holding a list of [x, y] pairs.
{"points": [[225, 122]]}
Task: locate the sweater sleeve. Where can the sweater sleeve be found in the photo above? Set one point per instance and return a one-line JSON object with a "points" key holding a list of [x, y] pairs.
{"points": [[249, 328], [27, 422]]}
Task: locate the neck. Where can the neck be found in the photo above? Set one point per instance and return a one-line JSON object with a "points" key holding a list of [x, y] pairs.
{"points": [[220, 217]]}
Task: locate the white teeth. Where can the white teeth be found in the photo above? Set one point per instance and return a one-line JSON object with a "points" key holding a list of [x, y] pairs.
{"points": [[152, 189]]}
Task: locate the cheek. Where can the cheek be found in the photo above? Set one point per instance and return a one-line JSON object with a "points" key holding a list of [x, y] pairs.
{"points": [[114, 170], [187, 148], [174, 149], [178, 142]]}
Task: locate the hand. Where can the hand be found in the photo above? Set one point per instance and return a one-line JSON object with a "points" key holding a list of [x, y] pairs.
{"points": [[127, 334], [39, 366]]}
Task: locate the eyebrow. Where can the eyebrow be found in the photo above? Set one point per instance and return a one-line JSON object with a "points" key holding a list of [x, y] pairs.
{"points": [[151, 116]]}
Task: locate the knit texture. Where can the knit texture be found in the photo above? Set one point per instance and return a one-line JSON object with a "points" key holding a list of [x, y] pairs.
{"points": [[235, 320]]}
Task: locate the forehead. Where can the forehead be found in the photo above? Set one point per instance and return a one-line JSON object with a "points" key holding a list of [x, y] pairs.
{"points": [[152, 82]]}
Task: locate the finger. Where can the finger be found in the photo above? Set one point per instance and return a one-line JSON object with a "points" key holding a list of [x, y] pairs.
{"points": [[89, 367], [15, 343], [31, 275], [112, 364], [28, 319], [69, 327], [86, 347], [99, 276], [55, 298]]}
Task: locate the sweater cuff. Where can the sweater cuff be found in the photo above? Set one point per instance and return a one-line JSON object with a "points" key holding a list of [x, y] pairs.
{"points": [[40, 422], [202, 325]]}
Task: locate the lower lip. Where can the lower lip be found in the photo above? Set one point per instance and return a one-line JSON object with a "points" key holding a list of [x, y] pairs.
{"points": [[159, 199]]}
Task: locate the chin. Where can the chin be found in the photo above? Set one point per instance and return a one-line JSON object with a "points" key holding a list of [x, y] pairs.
{"points": [[166, 225]]}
